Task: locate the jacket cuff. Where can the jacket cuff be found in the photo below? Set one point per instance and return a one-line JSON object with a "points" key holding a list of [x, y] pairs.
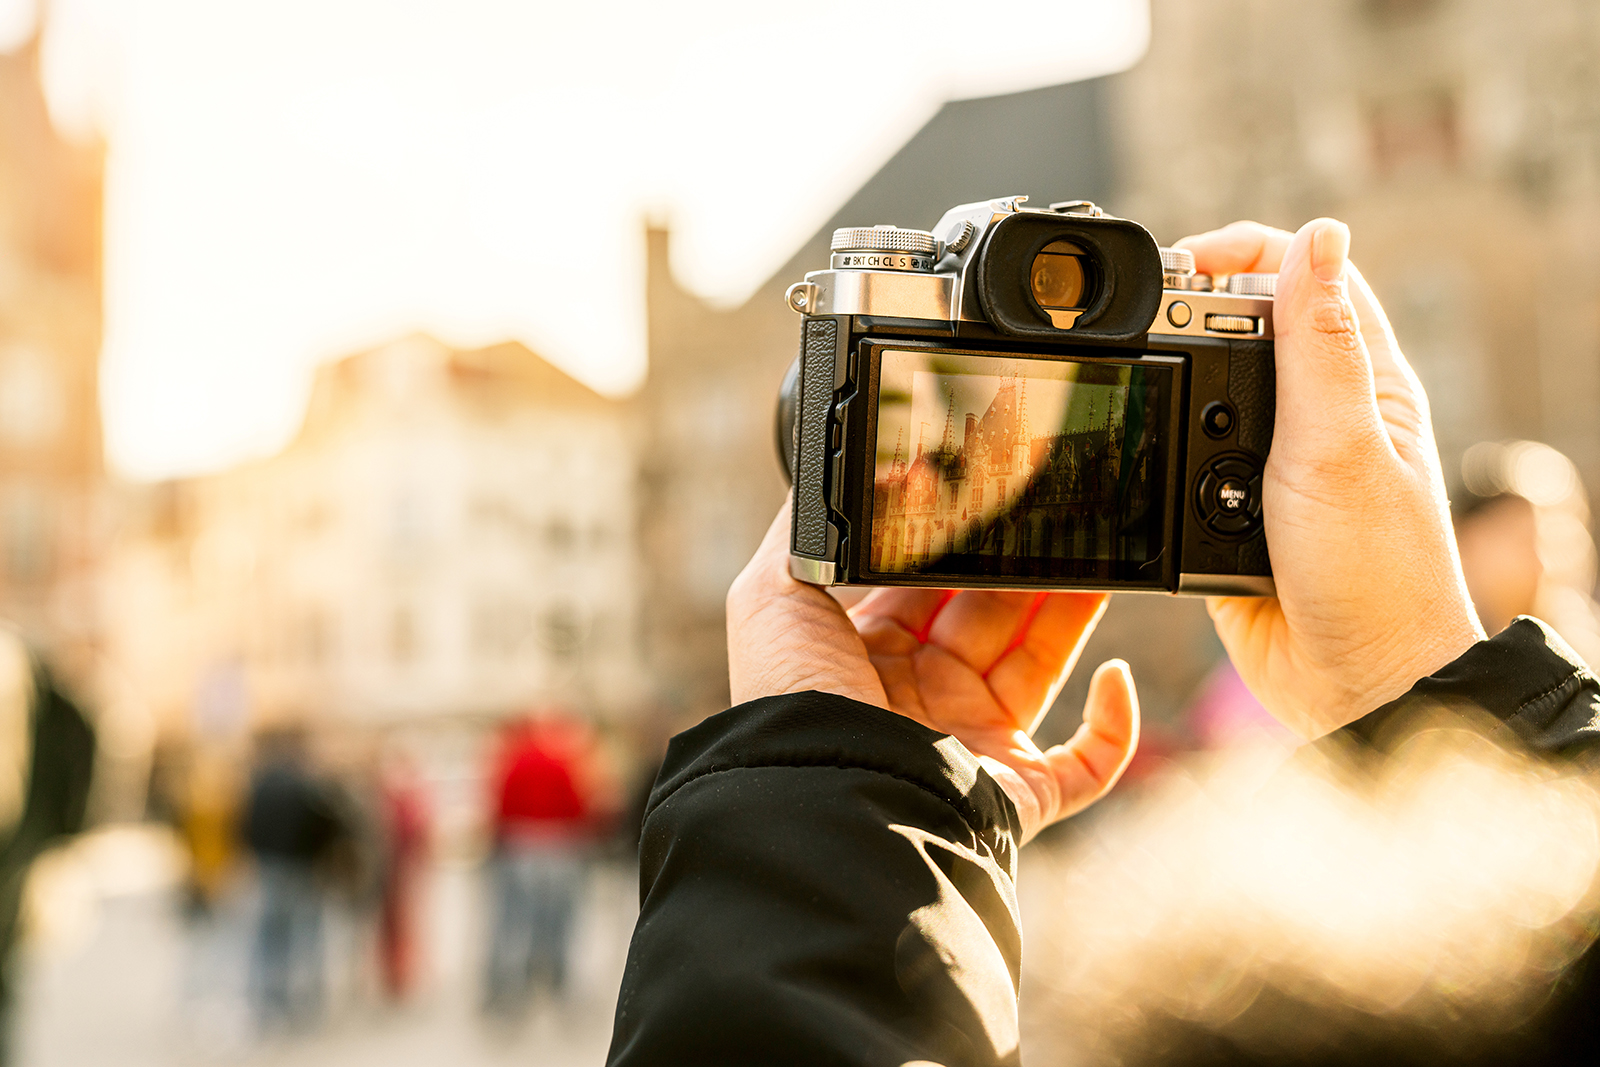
{"points": [[826, 730], [1526, 677]]}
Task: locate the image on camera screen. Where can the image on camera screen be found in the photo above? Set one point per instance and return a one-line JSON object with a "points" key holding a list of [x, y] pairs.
{"points": [[999, 466]]}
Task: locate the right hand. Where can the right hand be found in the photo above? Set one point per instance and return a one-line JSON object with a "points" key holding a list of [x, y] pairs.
{"points": [[1371, 595]]}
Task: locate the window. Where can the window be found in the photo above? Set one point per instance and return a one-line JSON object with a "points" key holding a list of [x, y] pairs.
{"points": [[31, 404], [404, 641], [1414, 133], [560, 536], [562, 631], [500, 629], [26, 521], [1392, 12], [407, 520]]}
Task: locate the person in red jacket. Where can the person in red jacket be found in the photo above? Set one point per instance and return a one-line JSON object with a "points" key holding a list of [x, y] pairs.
{"points": [[544, 822], [404, 807]]}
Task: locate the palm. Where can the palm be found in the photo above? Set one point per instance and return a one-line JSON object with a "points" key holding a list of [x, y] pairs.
{"points": [[985, 667], [981, 666]]}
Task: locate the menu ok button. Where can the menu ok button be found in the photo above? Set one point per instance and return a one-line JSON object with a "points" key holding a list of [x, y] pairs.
{"points": [[1228, 497]]}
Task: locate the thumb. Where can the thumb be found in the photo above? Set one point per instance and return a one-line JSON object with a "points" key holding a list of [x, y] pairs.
{"points": [[1089, 764], [1324, 372]]}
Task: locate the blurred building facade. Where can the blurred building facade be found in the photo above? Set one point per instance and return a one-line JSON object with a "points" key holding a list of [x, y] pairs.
{"points": [[52, 478], [451, 533], [1461, 141]]}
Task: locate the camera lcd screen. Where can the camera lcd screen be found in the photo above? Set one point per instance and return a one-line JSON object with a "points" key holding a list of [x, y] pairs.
{"points": [[998, 466]]}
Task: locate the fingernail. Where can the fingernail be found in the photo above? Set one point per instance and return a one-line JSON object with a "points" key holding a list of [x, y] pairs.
{"points": [[1120, 665], [1330, 248]]}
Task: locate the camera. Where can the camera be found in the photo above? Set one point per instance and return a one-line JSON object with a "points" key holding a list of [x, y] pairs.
{"points": [[1028, 399]]}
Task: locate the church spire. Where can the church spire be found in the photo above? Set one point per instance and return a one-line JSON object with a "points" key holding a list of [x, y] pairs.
{"points": [[947, 444], [897, 468]]}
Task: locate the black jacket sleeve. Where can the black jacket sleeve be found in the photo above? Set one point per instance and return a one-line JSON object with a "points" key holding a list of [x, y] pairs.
{"points": [[824, 882], [1526, 677]]}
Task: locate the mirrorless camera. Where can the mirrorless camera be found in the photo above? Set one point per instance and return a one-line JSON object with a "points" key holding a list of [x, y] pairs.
{"points": [[1026, 399]]}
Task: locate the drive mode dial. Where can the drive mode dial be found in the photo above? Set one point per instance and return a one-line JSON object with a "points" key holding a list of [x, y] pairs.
{"points": [[883, 248]]}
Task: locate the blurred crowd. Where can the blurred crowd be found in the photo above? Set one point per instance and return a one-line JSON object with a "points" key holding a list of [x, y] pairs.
{"points": [[310, 819]]}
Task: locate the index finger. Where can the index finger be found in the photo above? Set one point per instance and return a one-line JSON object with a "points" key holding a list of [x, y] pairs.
{"points": [[1238, 246]]}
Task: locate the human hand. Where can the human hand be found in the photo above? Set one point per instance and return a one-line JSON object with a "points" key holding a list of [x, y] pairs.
{"points": [[1370, 591], [982, 666]]}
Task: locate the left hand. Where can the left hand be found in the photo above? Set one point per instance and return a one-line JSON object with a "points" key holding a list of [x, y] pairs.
{"points": [[1371, 596], [981, 666]]}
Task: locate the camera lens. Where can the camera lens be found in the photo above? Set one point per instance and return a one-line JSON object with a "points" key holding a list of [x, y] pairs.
{"points": [[1061, 280]]}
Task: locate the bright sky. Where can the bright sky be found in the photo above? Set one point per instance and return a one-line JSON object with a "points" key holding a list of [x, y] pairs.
{"points": [[291, 181]]}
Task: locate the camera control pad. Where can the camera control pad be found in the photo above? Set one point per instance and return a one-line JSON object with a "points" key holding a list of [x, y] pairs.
{"points": [[1228, 496]]}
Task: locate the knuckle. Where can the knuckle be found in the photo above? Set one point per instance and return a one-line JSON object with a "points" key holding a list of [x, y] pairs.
{"points": [[745, 589], [1334, 322]]}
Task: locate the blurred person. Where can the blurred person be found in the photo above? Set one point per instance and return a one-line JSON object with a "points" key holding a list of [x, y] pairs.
{"points": [[545, 824], [828, 868], [293, 827], [404, 811], [351, 874], [1499, 539], [1225, 713], [195, 791], [1522, 524], [47, 752]]}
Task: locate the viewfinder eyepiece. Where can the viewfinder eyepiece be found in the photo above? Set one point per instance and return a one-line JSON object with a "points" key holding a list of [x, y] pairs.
{"points": [[1062, 280], [1041, 273]]}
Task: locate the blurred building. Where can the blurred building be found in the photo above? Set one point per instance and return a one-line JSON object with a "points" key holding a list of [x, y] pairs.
{"points": [[1461, 141], [51, 467], [451, 532]]}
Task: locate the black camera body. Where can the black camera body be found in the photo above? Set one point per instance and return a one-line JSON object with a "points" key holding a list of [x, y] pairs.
{"points": [[1024, 399]]}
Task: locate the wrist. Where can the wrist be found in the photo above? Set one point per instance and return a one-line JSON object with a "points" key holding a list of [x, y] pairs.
{"points": [[1445, 638], [1023, 794]]}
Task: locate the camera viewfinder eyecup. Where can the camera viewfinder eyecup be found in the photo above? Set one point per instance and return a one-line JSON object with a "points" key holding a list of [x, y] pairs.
{"points": [[1123, 284]]}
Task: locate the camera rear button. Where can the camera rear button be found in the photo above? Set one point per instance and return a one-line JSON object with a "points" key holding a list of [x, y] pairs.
{"points": [[1217, 419], [1233, 496], [1235, 468], [1231, 524], [1179, 314]]}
